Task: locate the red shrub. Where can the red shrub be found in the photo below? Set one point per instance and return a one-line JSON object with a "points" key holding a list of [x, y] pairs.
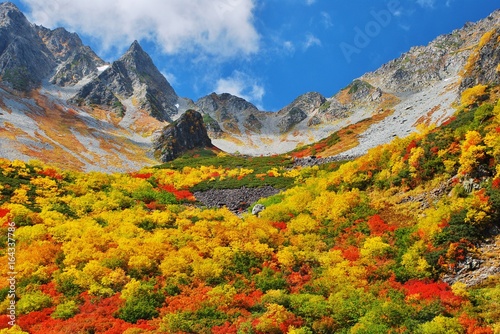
{"points": [[227, 328], [3, 212], [411, 145], [378, 226], [28, 321], [279, 225], [426, 290], [351, 253], [471, 325], [247, 301], [141, 175], [495, 184], [52, 173]]}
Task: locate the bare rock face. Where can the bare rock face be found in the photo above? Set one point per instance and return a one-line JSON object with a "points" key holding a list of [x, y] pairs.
{"points": [[187, 133], [306, 102], [294, 116], [298, 110], [24, 58], [226, 113], [76, 60], [134, 74], [227, 102], [446, 56], [482, 67], [213, 128]]}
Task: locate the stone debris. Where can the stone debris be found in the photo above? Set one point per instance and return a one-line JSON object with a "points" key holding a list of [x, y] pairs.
{"points": [[236, 200]]}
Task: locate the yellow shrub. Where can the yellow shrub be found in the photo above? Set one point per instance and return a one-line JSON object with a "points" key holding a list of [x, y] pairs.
{"points": [[473, 94]]}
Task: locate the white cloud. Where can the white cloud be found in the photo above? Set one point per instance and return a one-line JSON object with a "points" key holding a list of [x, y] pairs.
{"points": [[242, 85], [426, 3], [288, 47], [326, 20], [310, 2], [311, 41], [222, 28]]}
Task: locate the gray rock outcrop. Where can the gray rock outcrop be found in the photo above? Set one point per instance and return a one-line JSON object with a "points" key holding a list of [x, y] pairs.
{"points": [[187, 133]]}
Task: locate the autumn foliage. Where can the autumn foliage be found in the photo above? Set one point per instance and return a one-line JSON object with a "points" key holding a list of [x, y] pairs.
{"points": [[353, 247]]}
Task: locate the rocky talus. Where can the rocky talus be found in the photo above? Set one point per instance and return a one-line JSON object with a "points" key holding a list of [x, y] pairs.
{"points": [[236, 200]]}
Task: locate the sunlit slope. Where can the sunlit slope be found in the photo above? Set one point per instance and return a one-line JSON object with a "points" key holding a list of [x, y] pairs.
{"points": [[377, 244]]}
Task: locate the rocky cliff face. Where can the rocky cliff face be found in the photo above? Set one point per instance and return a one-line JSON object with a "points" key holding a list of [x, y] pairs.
{"points": [[297, 111], [75, 60], [187, 133], [229, 112], [419, 87], [238, 116], [24, 59], [30, 53], [133, 75], [482, 66]]}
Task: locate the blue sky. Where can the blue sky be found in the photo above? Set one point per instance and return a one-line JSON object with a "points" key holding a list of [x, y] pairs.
{"points": [[268, 52]]}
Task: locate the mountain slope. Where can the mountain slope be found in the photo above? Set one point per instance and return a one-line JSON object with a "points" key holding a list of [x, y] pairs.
{"points": [[44, 71], [419, 87], [403, 239], [75, 60]]}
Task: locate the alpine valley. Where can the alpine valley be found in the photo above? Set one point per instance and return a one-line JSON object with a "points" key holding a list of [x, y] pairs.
{"points": [[125, 208]]}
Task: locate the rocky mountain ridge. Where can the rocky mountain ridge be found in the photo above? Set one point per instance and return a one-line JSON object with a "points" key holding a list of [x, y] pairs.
{"points": [[130, 97], [422, 86], [133, 75]]}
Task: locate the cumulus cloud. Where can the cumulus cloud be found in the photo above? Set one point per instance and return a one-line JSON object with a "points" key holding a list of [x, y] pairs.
{"points": [[221, 28], [242, 85]]}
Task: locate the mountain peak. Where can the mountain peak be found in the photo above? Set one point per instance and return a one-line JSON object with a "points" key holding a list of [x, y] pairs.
{"points": [[135, 46], [24, 58], [9, 14], [136, 51], [134, 74], [8, 6]]}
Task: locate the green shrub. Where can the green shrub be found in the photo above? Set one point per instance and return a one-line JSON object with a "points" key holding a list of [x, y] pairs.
{"points": [[65, 310], [267, 279], [142, 305], [33, 301]]}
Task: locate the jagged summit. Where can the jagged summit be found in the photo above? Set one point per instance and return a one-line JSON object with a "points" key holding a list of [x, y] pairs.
{"points": [[10, 13], [134, 75], [75, 60]]}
